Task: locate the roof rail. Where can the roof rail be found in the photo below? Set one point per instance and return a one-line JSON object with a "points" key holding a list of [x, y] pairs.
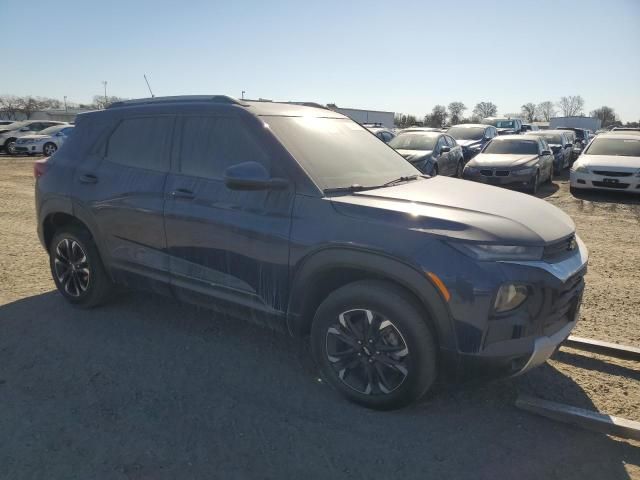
{"points": [[179, 99], [309, 104]]}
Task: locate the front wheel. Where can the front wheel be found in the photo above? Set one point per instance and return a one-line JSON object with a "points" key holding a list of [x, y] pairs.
{"points": [[49, 149], [371, 342], [10, 147], [535, 183], [550, 177]]}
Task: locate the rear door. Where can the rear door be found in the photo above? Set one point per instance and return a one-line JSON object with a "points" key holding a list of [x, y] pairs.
{"points": [[228, 248], [120, 189]]}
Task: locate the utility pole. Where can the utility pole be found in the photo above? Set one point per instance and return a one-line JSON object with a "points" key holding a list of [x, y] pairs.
{"points": [[104, 82], [242, 94], [65, 104]]}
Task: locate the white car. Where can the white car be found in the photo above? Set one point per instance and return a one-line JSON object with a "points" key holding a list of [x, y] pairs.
{"points": [[45, 142], [10, 133], [610, 162]]}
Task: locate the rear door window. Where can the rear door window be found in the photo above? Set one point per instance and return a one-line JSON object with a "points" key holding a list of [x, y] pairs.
{"points": [[142, 142], [211, 144]]}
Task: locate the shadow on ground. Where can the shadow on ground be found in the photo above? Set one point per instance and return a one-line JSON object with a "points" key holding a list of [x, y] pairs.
{"points": [[149, 388]]}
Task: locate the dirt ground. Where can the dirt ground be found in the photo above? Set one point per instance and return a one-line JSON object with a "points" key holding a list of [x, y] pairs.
{"points": [[147, 388]]}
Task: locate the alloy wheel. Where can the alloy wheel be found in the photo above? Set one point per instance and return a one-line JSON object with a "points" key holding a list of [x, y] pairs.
{"points": [[367, 352], [49, 149], [71, 267], [11, 148]]}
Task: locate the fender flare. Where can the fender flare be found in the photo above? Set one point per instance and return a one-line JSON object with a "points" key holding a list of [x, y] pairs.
{"points": [[376, 264]]}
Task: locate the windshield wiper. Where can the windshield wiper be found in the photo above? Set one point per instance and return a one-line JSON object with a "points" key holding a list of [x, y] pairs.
{"points": [[359, 188]]}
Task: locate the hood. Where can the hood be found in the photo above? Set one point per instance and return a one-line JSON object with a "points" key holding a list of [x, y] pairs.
{"points": [[415, 155], [500, 160], [461, 210], [468, 143], [593, 161]]}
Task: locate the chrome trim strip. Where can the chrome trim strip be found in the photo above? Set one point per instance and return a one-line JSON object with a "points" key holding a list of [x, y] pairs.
{"points": [[564, 269], [545, 346]]}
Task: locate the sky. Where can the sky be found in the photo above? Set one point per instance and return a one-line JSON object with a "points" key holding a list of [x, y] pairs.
{"points": [[398, 56]]}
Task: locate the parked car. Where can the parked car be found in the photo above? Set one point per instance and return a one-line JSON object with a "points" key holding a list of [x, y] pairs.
{"points": [[505, 126], [298, 217], [433, 153], [530, 127], [580, 141], [472, 137], [513, 160], [10, 133], [382, 133], [45, 142], [610, 162], [6, 122], [560, 145]]}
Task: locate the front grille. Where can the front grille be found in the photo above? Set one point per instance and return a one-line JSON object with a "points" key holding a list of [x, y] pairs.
{"points": [[560, 249], [564, 303], [618, 185], [607, 173], [487, 173], [502, 173]]}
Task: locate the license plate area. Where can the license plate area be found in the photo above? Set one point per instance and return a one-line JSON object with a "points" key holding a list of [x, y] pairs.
{"points": [[610, 181]]}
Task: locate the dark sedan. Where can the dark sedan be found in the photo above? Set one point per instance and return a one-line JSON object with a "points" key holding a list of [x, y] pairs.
{"points": [[513, 160], [433, 153], [560, 145], [472, 137]]}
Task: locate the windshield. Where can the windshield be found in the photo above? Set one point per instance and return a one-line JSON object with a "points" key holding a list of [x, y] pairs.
{"points": [[337, 152], [501, 123], [554, 138], [414, 141], [512, 147], [462, 133], [615, 146], [53, 130], [578, 133]]}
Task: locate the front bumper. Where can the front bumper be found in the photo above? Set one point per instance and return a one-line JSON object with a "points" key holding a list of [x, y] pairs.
{"points": [[500, 177], [591, 180]]}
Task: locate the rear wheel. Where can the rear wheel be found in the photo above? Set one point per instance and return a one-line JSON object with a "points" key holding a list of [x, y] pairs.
{"points": [[372, 344], [49, 149], [77, 269]]}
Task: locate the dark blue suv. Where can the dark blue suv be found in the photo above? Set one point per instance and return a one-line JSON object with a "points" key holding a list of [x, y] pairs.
{"points": [[299, 218]]}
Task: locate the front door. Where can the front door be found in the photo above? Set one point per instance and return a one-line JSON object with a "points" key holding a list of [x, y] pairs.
{"points": [[226, 247]]}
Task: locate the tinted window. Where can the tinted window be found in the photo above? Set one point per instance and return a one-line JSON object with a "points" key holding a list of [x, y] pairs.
{"points": [[142, 143], [337, 152], [466, 133], [613, 146], [450, 141], [441, 143], [386, 136], [36, 127], [413, 141], [210, 145], [551, 138], [512, 147]]}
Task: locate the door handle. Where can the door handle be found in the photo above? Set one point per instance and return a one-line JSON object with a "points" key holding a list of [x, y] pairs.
{"points": [[88, 178], [183, 193]]}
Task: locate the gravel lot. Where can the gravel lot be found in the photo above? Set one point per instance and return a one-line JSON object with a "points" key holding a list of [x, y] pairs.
{"points": [[147, 388]]}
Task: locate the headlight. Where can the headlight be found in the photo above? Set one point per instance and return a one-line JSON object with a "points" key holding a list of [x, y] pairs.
{"points": [[487, 252], [471, 170], [524, 171], [580, 169], [510, 296]]}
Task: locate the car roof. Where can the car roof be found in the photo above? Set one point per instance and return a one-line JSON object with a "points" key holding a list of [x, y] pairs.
{"points": [[428, 133], [471, 125], [510, 137], [620, 135], [255, 107]]}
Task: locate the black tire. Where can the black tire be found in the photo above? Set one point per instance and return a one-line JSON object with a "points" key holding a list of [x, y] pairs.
{"points": [[49, 149], [533, 188], [10, 147], [434, 172], [71, 253], [404, 349], [550, 177]]}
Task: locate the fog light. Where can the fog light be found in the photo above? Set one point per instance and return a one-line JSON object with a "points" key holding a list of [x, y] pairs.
{"points": [[510, 296]]}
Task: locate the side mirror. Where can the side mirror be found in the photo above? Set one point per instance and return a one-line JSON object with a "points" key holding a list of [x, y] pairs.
{"points": [[546, 152], [445, 149], [252, 176], [569, 145]]}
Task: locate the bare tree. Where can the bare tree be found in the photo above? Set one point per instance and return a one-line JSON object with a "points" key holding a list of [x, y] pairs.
{"points": [[529, 111], [606, 115], [455, 110], [29, 105], [101, 102], [438, 116], [485, 109], [546, 110], [571, 106], [9, 106]]}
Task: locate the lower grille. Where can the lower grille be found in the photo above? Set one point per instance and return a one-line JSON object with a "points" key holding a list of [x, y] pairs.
{"points": [[564, 303], [487, 173], [502, 173], [618, 185], [607, 173]]}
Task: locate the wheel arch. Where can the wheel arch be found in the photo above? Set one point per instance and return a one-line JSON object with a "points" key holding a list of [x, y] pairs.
{"points": [[326, 270]]}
